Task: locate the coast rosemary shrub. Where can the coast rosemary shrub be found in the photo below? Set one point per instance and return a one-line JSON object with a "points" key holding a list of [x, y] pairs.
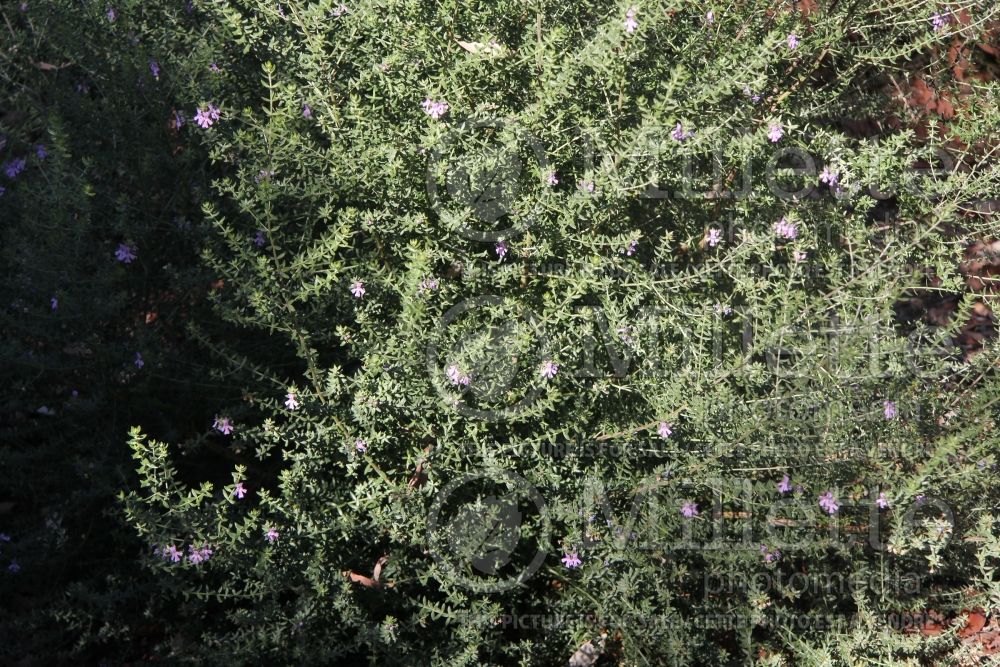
{"points": [[535, 332]]}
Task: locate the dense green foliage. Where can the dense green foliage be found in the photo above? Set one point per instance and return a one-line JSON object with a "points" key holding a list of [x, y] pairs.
{"points": [[468, 333]]}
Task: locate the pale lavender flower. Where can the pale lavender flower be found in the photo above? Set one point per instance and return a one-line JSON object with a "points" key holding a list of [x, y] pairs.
{"points": [[213, 112], [339, 11], [361, 445], [769, 556], [630, 23], [456, 376], [23, 7], [54, 302], [111, 14], [714, 237], [178, 120], [125, 253], [571, 560], [501, 249], [41, 151], [710, 17], [552, 178], [587, 186], [214, 66], [549, 370], [786, 230], [203, 119], [291, 402], [3, 191], [307, 111], [829, 503], [775, 133], [792, 41], [754, 97], [664, 430], [4, 537], [920, 498], [240, 491], [259, 240], [678, 133], [196, 556], [223, 424], [14, 167], [889, 409], [14, 567], [800, 255], [785, 485], [882, 501], [434, 109], [358, 289], [139, 363], [689, 509], [271, 535], [939, 21], [721, 309], [154, 67], [427, 285], [829, 177], [630, 249], [173, 553]]}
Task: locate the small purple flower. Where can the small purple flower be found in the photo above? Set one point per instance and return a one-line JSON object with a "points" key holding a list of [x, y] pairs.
{"points": [[786, 230], [4, 537], [754, 97], [339, 11], [889, 410], [714, 237], [689, 509], [3, 191], [154, 67], [722, 310], [769, 556], [361, 445], [14, 567], [678, 133], [792, 41], [223, 424], [271, 535], [213, 112], [196, 556], [139, 363], [571, 560], [829, 177], [178, 120], [552, 178], [549, 370], [214, 66], [775, 133], [173, 553], [882, 501], [358, 289], [111, 14], [664, 430], [125, 253], [588, 187], [500, 249], [203, 118], [920, 498], [240, 491], [41, 151], [785, 485], [457, 377], [54, 302], [427, 285], [829, 503], [710, 17], [14, 167], [800, 255], [939, 21], [291, 402], [630, 23], [434, 109], [258, 239], [307, 111], [631, 248]]}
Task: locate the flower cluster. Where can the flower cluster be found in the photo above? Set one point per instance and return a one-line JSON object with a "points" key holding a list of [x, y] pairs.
{"points": [[434, 109]]}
